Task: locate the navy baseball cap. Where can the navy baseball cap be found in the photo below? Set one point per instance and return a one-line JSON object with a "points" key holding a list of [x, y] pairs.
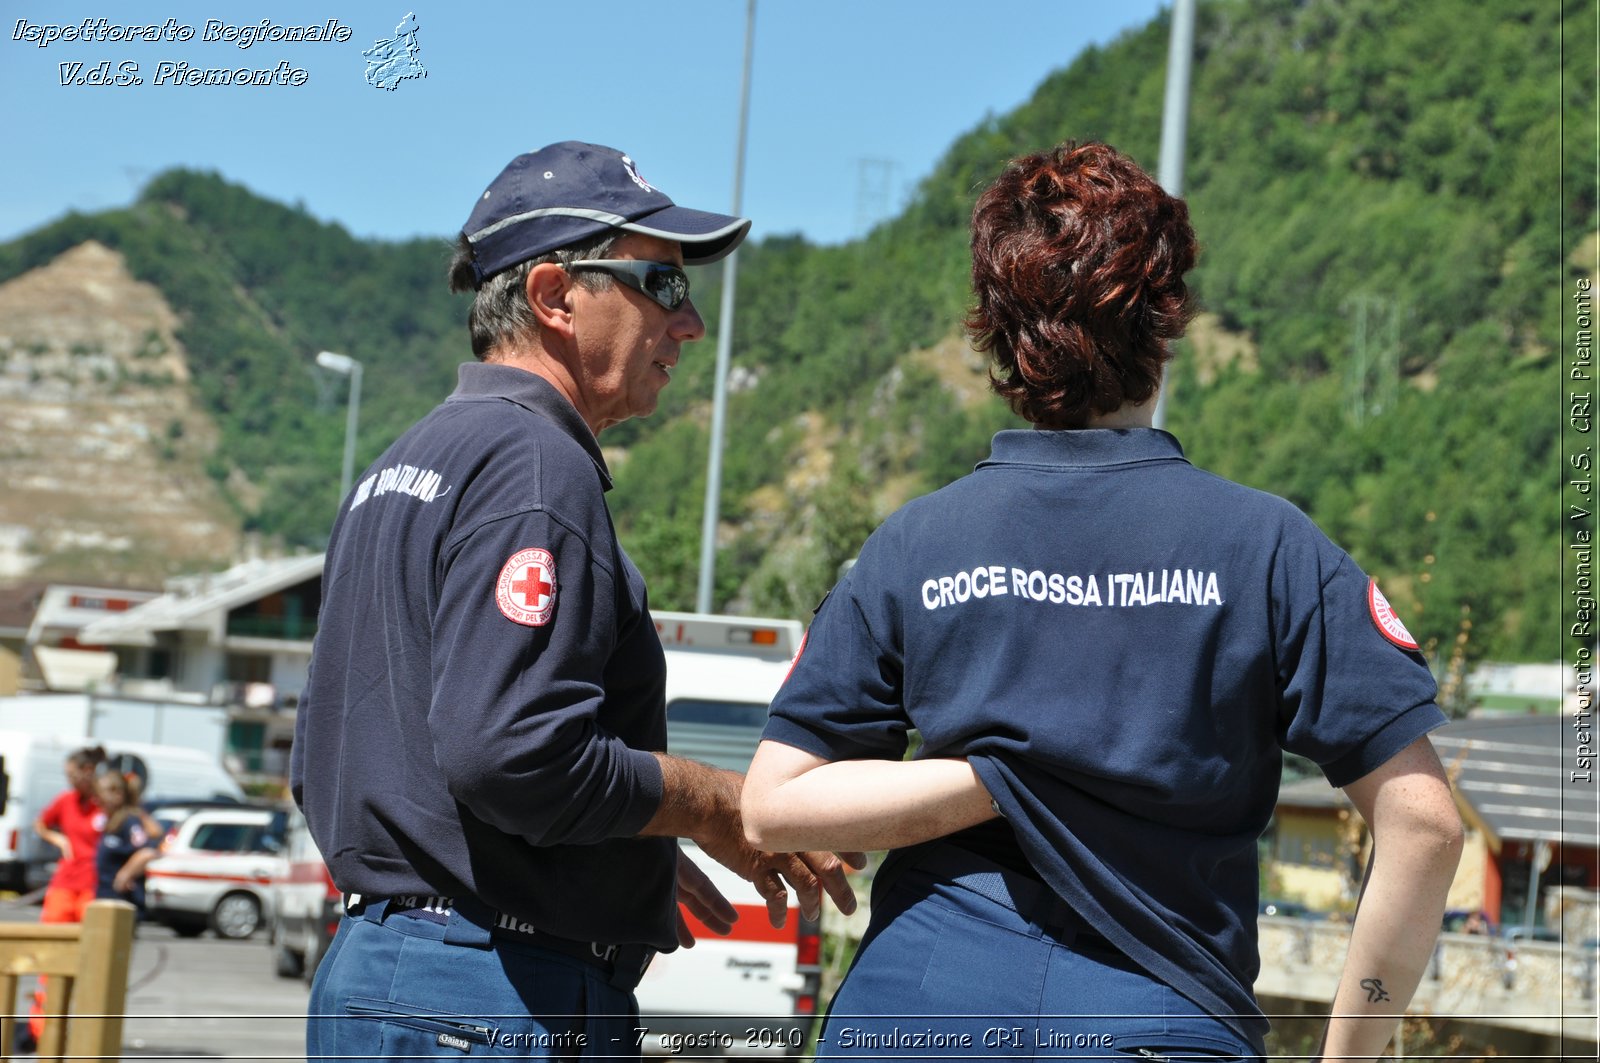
{"points": [[570, 192]]}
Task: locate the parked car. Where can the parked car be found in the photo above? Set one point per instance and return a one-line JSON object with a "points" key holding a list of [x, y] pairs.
{"points": [[216, 871], [171, 814], [306, 905]]}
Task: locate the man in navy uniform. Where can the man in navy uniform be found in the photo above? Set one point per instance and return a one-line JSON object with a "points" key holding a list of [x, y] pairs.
{"points": [[480, 750]]}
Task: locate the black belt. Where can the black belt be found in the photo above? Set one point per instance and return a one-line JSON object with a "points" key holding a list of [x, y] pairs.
{"points": [[623, 965]]}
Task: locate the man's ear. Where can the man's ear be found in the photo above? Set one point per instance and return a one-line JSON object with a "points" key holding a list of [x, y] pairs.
{"points": [[548, 290]]}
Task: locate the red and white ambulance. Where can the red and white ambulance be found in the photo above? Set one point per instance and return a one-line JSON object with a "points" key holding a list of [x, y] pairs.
{"points": [[755, 991]]}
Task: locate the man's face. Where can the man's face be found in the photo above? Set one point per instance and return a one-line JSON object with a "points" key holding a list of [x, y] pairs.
{"points": [[628, 344]]}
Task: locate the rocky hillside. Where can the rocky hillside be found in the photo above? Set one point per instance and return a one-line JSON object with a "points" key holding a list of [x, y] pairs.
{"points": [[103, 448]]}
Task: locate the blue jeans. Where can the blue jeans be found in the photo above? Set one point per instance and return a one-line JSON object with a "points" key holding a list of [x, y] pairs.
{"points": [[950, 969], [393, 986]]}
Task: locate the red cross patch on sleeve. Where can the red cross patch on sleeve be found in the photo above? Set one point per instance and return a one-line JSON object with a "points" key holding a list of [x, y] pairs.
{"points": [[797, 652], [1389, 625], [526, 589]]}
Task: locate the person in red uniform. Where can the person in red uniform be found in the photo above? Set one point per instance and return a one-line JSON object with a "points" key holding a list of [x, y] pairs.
{"points": [[72, 823]]}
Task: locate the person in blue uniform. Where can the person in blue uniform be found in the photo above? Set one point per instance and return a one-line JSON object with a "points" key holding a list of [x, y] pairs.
{"points": [[479, 752], [130, 840], [1105, 651]]}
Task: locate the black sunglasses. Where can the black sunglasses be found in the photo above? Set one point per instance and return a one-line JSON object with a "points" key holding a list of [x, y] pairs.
{"points": [[662, 281]]}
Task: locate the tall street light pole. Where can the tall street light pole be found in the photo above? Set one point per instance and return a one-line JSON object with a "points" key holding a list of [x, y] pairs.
{"points": [[345, 365], [1175, 128], [719, 400]]}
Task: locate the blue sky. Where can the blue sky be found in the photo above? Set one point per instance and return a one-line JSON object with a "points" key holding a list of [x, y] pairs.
{"points": [[835, 82]]}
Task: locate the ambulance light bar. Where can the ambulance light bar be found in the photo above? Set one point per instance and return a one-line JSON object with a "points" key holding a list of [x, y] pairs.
{"points": [[728, 634]]}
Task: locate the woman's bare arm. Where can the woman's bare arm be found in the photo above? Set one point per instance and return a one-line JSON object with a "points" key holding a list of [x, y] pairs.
{"points": [[1416, 843], [794, 800]]}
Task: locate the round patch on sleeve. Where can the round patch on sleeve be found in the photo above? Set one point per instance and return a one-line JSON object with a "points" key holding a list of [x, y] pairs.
{"points": [[526, 589], [1389, 625], [797, 652]]}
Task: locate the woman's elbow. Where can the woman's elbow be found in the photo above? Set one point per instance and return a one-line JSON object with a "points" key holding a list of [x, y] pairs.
{"points": [[1440, 820], [758, 839], [1432, 829], [1452, 837], [755, 813]]}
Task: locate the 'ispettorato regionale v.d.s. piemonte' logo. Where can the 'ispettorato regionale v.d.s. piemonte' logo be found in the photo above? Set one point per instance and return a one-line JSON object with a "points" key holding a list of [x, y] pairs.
{"points": [[388, 62], [394, 60]]}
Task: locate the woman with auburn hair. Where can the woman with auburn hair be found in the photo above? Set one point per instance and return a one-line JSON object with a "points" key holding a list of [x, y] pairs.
{"points": [[1106, 652]]}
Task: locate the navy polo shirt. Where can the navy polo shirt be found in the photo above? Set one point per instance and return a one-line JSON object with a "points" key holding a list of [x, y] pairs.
{"points": [[487, 683], [1123, 645]]}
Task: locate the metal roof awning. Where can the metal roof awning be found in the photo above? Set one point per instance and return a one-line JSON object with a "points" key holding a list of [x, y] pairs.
{"points": [[199, 603], [1510, 770]]}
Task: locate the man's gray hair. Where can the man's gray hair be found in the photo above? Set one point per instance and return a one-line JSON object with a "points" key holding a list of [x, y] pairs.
{"points": [[500, 311]]}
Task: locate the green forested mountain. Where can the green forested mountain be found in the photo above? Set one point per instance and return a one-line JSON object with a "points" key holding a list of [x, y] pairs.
{"points": [[1391, 200]]}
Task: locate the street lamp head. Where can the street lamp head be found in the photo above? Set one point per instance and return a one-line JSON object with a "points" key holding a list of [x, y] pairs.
{"points": [[339, 363]]}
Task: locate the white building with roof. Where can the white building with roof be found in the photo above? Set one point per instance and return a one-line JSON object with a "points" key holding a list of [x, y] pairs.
{"points": [[54, 654], [240, 638]]}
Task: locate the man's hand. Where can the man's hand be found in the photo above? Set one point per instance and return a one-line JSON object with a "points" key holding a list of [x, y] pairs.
{"points": [[705, 902], [809, 873], [702, 803]]}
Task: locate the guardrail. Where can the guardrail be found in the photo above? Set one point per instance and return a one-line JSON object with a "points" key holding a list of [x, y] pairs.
{"points": [[1550, 970], [1535, 987]]}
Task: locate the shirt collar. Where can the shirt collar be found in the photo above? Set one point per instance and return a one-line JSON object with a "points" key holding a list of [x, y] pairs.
{"points": [[1082, 447], [535, 394]]}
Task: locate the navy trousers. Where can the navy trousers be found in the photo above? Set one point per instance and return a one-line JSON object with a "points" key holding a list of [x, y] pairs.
{"points": [[964, 959], [393, 986]]}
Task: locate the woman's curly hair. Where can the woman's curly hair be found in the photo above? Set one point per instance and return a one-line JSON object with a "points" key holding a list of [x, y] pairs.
{"points": [[1078, 259]]}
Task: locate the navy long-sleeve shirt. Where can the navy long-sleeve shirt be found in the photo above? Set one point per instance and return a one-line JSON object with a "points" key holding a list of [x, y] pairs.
{"points": [[487, 683]]}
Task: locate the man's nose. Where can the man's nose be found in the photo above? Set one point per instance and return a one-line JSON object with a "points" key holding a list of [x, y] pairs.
{"points": [[687, 325]]}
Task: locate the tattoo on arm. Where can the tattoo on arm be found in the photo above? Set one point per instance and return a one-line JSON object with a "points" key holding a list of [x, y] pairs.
{"points": [[1375, 991]]}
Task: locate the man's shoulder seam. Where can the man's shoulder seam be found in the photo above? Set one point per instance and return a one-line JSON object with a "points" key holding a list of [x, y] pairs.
{"points": [[461, 536]]}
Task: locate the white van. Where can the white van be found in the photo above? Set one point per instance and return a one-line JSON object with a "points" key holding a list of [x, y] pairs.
{"points": [[35, 769], [755, 991]]}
